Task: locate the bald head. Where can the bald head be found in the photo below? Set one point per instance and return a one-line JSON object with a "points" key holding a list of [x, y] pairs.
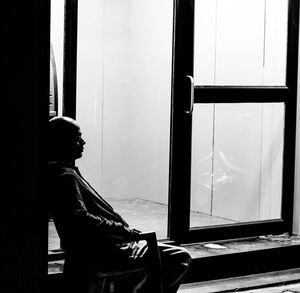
{"points": [[65, 142]]}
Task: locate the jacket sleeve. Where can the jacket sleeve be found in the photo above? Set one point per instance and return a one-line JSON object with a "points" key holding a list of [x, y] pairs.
{"points": [[73, 212]]}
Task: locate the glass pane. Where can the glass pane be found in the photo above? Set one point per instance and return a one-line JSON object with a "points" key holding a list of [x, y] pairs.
{"points": [[56, 55], [240, 42], [236, 163], [123, 105]]}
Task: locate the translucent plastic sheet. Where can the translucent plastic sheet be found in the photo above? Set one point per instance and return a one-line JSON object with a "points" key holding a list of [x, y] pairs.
{"points": [[236, 163]]}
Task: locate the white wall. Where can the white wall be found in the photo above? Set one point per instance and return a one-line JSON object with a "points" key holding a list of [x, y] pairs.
{"points": [[237, 148], [124, 95], [250, 53], [296, 226], [90, 85], [296, 223], [237, 160], [151, 63]]}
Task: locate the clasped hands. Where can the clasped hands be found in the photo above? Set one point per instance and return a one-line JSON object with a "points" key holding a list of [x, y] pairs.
{"points": [[138, 247]]}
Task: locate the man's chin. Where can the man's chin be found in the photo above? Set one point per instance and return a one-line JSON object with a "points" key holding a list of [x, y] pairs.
{"points": [[79, 156]]}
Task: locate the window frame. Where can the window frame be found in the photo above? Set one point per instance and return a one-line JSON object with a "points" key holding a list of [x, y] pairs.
{"points": [[70, 58], [179, 227]]}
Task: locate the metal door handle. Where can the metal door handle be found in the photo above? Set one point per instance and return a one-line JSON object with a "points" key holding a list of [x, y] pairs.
{"points": [[190, 111]]}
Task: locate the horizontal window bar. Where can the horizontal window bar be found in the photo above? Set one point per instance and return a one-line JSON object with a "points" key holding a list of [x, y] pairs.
{"points": [[240, 94]]}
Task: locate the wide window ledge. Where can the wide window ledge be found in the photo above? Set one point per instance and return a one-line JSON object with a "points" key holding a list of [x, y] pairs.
{"points": [[56, 259]]}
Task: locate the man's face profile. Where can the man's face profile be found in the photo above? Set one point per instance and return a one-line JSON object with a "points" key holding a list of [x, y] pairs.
{"points": [[66, 139], [77, 144]]}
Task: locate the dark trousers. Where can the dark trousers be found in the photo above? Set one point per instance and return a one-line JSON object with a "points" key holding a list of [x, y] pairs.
{"points": [[175, 261]]}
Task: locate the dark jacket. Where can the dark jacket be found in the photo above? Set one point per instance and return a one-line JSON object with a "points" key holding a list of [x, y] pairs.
{"points": [[85, 222]]}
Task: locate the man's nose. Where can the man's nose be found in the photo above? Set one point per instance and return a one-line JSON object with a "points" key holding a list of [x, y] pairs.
{"points": [[81, 141]]}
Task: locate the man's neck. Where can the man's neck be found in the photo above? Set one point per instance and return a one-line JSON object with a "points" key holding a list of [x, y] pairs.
{"points": [[69, 163]]}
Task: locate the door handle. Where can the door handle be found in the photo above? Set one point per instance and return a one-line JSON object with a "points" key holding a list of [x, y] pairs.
{"points": [[190, 110]]}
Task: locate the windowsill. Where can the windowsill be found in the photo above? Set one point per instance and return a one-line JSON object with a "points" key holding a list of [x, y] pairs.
{"points": [[56, 259], [236, 258]]}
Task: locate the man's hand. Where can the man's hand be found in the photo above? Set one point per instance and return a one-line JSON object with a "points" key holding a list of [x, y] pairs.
{"points": [[138, 249]]}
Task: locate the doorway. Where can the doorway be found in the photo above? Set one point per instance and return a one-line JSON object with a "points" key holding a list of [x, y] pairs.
{"points": [[233, 118]]}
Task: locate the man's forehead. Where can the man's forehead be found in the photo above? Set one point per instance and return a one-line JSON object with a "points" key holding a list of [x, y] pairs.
{"points": [[78, 132], [75, 129]]}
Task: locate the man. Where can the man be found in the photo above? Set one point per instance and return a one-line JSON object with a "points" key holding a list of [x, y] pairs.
{"points": [[87, 225]]}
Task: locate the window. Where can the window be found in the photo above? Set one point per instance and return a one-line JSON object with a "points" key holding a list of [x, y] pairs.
{"points": [[232, 157], [122, 75]]}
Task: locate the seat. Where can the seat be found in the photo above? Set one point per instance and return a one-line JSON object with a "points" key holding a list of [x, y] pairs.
{"points": [[104, 281]]}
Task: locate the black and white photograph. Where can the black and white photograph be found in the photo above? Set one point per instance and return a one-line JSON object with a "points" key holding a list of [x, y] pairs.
{"points": [[150, 146]]}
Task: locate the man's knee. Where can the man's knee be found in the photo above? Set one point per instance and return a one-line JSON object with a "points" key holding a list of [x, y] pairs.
{"points": [[175, 266], [185, 259], [186, 254], [175, 254]]}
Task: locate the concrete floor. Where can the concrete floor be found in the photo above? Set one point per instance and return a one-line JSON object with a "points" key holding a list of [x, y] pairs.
{"points": [[290, 288], [145, 215], [286, 281]]}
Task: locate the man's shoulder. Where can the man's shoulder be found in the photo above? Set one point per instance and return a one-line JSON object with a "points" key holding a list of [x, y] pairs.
{"points": [[68, 171], [58, 170]]}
